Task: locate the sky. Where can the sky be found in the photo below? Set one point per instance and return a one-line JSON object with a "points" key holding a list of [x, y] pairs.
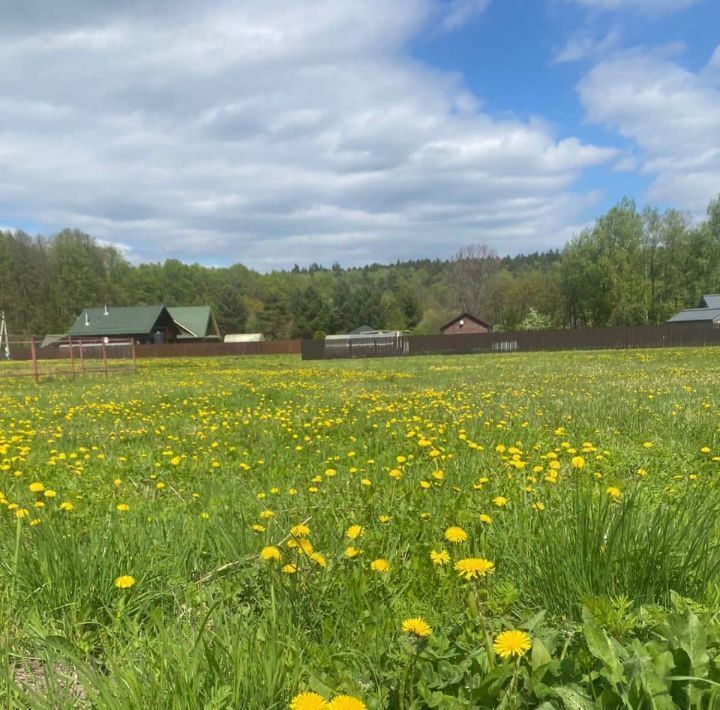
{"points": [[281, 132]]}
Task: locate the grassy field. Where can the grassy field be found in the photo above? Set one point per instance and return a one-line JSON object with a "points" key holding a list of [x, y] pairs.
{"points": [[264, 533]]}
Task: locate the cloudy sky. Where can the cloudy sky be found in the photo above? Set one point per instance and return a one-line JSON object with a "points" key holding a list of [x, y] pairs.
{"points": [[274, 132]]}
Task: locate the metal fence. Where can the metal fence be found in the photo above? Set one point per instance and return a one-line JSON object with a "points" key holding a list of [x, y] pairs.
{"points": [[72, 358], [660, 336]]}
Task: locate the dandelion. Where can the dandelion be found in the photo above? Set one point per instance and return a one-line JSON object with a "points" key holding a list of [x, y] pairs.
{"points": [[122, 507], [258, 528], [351, 552], [289, 569], [67, 506], [346, 702], [424, 485], [577, 462], [439, 557], [416, 626], [266, 514], [308, 701], [270, 552], [318, 558], [354, 532], [455, 535], [485, 519], [49, 493], [500, 501], [300, 530], [380, 565], [512, 643], [538, 505], [474, 567], [125, 581], [613, 491], [36, 487], [21, 513]]}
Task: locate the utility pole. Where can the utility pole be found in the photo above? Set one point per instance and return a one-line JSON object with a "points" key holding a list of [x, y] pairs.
{"points": [[4, 339]]}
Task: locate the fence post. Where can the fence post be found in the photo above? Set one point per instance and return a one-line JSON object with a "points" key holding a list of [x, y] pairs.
{"points": [[132, 345], [104, 357], [33, 355], [82, 357], [72, 355]]}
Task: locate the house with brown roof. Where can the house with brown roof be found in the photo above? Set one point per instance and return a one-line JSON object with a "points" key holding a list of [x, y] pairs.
{"points": [[465, 324]]}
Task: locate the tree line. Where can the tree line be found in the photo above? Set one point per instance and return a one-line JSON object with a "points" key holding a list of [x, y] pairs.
{"points": [[631, 267]]}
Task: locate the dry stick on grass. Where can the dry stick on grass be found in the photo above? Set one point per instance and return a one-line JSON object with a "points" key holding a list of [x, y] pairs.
{"points": [[230, 565]]}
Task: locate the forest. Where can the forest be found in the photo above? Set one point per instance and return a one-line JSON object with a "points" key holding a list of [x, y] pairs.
{"points": [[632, 267]]}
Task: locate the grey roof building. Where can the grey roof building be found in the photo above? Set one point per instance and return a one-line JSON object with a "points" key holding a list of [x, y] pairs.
{"points": [[708, 311]]}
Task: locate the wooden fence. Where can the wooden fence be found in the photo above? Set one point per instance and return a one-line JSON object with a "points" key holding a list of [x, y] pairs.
{"points": [[660, 336]]}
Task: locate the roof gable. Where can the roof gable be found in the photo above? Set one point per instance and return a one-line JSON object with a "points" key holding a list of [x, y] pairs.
{"points": [[125, 320], [710, 300], [465, 316], [198, 321]]}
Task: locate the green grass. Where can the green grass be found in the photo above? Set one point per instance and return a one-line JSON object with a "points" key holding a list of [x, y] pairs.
{"points": [[198, 449]]}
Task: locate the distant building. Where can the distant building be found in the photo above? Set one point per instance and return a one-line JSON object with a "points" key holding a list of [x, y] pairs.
{"points": [[465, 324], [707, 311], [244, 338], [195, 323], [144, 324]]}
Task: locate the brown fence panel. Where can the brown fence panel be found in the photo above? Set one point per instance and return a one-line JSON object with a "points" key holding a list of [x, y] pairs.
{"points": [[268, 347], [620, 337]]}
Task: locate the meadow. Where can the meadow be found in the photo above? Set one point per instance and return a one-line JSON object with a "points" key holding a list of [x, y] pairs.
{"points": [[520, 530]]}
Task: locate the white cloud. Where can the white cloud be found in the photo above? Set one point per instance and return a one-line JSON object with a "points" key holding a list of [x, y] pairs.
{"points": [[582, 46], [652, 7], [461, 12], [672, 115], [268, 133]]}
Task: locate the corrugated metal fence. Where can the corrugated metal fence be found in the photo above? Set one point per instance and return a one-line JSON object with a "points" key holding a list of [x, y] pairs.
{"points": [[660, 336]]}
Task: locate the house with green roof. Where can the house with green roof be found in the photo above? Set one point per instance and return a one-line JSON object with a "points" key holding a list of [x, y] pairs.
{"points": [[143, 324], [195, 323], [707, 311]]}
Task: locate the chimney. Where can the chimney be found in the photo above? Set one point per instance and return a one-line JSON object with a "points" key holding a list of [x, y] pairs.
{"points": [[106, 312], [87, 319]]}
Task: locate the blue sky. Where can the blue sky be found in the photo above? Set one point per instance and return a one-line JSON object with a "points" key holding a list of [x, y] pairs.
{"points": [[274, 132]]}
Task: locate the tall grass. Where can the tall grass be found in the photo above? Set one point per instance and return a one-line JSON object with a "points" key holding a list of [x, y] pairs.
{"points": [[642, 547]]}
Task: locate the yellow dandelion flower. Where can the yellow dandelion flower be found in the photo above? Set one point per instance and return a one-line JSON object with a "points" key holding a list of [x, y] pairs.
{"points": [[577, 462], [270, 552], [49, 493], [258, 528], [21, 513], [485, 519], [266, 514], [384, 518], [500, 501], [474, 567], [351, 552], [354, 532], [289, 569], [124, 582], [308, 701], [417, 627], [455, 534], [66, 505], [36, 487], [512, 643], [346, 702], [538, 505], [380, 565], [613, 491], [439, 557], [318, 558], [300, 530], [122, 507]]}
